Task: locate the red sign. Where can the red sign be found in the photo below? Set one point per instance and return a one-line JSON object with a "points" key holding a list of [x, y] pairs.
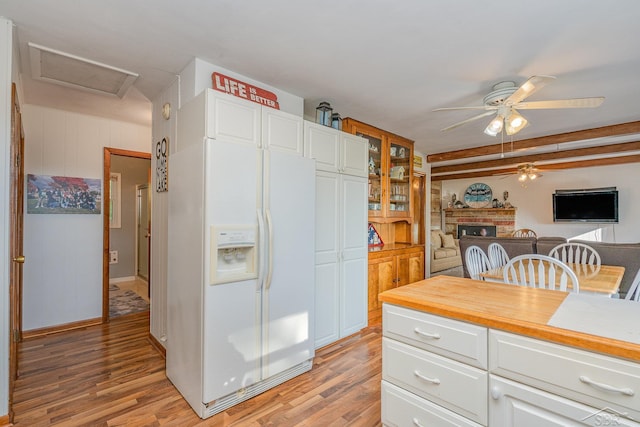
{"points": [[244, 90]]}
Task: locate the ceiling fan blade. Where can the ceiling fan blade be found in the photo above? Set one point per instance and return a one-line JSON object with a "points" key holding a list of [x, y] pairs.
{"points": [[478, 107], [561, 103], [528, 88], [471, 119]]}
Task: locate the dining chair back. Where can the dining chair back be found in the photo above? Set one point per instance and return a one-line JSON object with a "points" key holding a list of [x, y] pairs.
{"points": [[476, 261], [524, 232], [633, 293], [497, 255], [575, 253], [540, 271]]}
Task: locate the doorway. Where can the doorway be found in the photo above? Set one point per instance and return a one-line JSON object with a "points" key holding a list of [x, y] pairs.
{"points": [[143, 231], [119, 210]]}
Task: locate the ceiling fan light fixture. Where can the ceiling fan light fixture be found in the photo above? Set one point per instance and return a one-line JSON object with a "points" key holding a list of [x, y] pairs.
{"points": [[495, 126], [515, 123]]}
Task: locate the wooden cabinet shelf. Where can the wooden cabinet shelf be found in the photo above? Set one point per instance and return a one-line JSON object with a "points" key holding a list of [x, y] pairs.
{"points": [[390, 172]]}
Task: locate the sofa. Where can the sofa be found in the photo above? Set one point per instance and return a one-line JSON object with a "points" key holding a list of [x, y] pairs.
{"points": [[445, 251], [623, 254]]}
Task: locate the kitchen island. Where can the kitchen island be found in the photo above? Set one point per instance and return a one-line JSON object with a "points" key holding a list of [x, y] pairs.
{"points": [[464, 352]]}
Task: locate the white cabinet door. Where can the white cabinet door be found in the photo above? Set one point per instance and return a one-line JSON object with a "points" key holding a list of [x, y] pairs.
{"points": [[282, 131], [354, 247], [323, 144], [233, 120], [355, 152], [513, 404], [341, 256], [327, 293]]}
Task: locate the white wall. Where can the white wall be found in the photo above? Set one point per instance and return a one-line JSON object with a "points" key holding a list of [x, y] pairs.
{"points": [[535, 208], [159, 209], [63, 271]]}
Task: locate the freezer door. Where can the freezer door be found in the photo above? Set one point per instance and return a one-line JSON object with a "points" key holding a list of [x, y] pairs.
{"points": [[288, 297], [231, 325]]}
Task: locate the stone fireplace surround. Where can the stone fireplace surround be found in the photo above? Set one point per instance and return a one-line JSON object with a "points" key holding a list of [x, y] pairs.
{"points": [[504, 219]]}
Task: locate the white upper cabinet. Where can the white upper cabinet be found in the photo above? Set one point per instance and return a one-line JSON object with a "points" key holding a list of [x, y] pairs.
{"points": [[282, 131], [335, 151], [232, 119]]}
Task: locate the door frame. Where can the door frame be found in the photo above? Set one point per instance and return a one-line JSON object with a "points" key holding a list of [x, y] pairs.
{"points": [[139, 188], [16, 247], [108, 152]]}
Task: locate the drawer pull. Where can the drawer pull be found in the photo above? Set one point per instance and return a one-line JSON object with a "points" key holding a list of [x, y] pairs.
{"points": [[417, 423], [427, 379], [625, 391], [435, 335]]}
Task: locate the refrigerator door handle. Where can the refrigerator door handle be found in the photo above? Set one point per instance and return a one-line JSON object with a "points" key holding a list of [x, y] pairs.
{"points": [[269, 250], [261, 250]]}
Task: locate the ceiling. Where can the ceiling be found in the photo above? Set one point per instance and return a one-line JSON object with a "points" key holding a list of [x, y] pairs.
{"points": [[384, 62]]}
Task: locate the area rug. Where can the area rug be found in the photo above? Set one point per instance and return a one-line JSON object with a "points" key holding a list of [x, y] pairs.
{"points": [[125, 302]]}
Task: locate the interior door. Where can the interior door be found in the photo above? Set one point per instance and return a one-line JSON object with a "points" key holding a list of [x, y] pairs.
{"points": [[16, 232], [143, 226]]}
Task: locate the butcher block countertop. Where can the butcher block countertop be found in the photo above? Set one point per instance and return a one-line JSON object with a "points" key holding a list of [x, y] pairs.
{"points": [[595, 323]]}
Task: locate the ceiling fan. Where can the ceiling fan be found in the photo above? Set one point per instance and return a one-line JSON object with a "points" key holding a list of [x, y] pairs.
{"points": [[525, 172], [505, 99]]}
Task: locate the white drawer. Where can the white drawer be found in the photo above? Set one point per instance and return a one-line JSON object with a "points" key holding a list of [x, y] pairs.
{"points": [[514, 404], [456, 386], [456, 340], [594, 379], [401, 408]]}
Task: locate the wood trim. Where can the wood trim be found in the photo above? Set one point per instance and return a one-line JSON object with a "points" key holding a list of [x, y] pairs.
{"points": [[106, 177], [601, 132], [158, 346], [606, 161], [579, 152], [33, 333], [4, 421]]}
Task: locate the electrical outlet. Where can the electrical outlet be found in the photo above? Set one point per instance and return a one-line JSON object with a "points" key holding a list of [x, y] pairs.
{"points": [[113, 257]]}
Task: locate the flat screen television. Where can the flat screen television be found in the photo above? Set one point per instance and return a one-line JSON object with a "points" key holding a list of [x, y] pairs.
{"points": [[600, 206]]}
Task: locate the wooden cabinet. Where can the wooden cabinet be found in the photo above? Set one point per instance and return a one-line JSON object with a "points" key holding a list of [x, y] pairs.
{"points": [[391, 268], [341, 231], [390, 172]]}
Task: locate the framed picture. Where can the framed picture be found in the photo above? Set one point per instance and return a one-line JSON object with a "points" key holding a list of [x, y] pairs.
{"points": [[63, 195]]}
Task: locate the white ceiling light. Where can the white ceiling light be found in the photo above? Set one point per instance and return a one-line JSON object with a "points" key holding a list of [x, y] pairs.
{"points": [[495, 126], [61, 68], [515, 123]]}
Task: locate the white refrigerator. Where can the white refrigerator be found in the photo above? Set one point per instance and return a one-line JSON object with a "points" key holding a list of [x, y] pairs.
{"points": [[240, 286]]}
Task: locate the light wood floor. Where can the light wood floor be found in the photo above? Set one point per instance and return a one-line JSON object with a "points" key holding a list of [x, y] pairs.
{"points": [[111, 375]]}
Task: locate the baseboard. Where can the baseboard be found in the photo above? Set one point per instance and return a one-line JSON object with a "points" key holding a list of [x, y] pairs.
{"points": [[4, 421], [60, 328], [158, 346], [122, 279]]}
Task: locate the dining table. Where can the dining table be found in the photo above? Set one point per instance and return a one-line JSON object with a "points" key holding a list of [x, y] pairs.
{"points": [[593, 279]]}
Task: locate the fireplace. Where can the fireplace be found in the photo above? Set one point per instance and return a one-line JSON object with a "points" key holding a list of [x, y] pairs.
{"points": [[476, 230], [499, 222]]}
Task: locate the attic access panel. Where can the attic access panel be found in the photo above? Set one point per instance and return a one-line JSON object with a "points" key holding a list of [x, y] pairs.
{"points": [[62, 68]]}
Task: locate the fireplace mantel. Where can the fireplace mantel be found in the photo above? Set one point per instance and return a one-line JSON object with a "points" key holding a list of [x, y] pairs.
{"points": [[504, 219]]}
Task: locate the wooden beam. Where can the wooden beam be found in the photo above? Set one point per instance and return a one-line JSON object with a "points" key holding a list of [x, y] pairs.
{"points": [[579, 152], [606, 161], [601, 132]]}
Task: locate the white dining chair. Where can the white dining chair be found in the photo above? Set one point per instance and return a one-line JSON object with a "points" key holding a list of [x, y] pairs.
{"points": [[497, 255], [633, 293], [540, 271], [576, 253], [476, 261]]}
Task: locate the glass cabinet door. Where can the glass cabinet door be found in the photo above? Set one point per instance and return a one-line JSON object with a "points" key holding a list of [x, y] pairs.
{"points": [[399, 173], [375, 170]]}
